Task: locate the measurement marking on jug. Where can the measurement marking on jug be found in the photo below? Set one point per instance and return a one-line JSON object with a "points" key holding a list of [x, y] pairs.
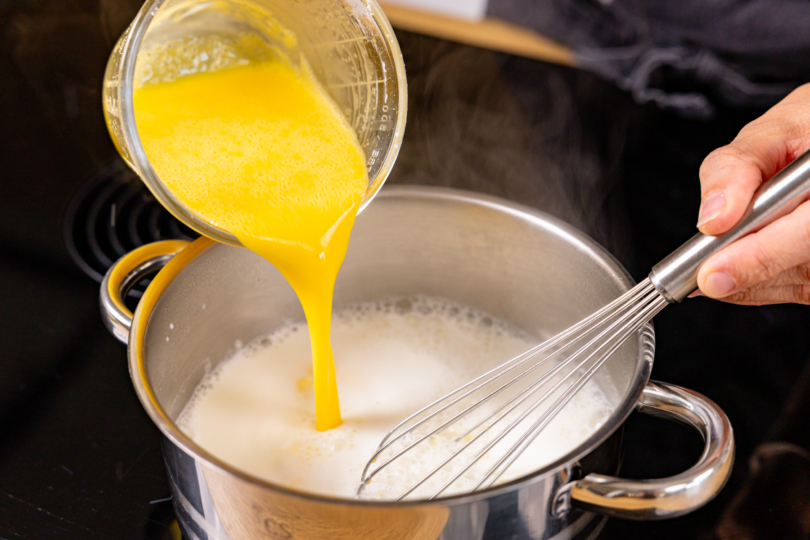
{"points": [[348, 85], [332, 43]]}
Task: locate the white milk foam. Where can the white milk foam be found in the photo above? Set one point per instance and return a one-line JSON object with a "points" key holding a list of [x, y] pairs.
{"points": [[256, 410]]}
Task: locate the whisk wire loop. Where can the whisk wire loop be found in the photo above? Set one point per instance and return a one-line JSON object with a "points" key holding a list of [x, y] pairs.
{"points": [[591, 337], [649, 293], [482, 380], [637, 319], [651, 310], [516, 362]]}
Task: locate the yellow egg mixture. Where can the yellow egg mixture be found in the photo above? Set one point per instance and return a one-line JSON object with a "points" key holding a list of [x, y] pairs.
{"points": [[260, 151]]}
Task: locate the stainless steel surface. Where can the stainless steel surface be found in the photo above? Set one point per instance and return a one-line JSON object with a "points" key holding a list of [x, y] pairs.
{"points": [[667, 497], [116, 317], [348, 45], [123, 275], [411, 241], [675, 277]]}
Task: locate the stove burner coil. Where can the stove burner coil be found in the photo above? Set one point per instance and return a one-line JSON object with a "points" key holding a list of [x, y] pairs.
{"points": [[112, 214]]}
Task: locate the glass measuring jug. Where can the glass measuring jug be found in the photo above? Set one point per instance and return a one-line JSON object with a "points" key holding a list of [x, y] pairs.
{"points": [[348, 45]]}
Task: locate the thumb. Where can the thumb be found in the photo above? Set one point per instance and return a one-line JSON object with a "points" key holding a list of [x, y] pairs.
{"points": [[730, 175]]}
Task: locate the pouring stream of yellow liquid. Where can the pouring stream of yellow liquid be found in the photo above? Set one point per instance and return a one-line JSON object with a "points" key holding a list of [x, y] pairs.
{"points": [[258, 150]]}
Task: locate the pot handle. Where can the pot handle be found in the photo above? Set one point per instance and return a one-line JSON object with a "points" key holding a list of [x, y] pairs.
{"points": [[125, 273], [665, 497]]}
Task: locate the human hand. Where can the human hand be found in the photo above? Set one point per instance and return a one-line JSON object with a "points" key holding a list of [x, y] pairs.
{"points": [[772, 265]]}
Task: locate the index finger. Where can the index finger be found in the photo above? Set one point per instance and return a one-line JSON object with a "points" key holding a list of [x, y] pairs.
{"points": [[731, 174]]}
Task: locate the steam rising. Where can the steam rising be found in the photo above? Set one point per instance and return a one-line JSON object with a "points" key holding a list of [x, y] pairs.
{"points": [[514, 128]]}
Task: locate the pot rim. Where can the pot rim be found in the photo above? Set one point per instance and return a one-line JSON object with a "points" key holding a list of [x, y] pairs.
{"points": [[538, 218]]}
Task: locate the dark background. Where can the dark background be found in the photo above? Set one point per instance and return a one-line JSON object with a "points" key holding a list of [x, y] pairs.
{"points": [[79, 459]]}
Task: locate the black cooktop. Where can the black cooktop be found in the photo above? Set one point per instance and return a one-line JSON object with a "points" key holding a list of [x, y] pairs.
{"points": [[79, 459]]}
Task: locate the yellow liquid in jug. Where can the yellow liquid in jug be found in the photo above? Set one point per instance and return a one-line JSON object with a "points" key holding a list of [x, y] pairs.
{"points": [[258, 150]]}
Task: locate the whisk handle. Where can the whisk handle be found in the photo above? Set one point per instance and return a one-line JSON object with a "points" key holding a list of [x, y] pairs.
{"points": [[675, 277]]}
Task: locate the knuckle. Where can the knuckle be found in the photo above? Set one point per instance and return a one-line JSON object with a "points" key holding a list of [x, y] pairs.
{"points": [[720, 158], [799, 294], [799, 274], [740, 297], [763, 266], [731, 165], [746, 297]]}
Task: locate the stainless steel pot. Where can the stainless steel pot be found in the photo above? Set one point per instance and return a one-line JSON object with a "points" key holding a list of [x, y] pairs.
{"points": [[511, 261]]}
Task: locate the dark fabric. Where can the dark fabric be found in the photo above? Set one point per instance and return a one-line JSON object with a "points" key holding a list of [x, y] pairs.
{"points": [[681, 54]]}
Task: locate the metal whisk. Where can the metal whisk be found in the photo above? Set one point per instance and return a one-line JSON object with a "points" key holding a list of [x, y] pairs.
{"points": [[487, 436]]}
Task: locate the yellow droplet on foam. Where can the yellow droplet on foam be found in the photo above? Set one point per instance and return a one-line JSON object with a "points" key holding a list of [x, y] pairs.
{"points": [[303, 384], [259, 151]]}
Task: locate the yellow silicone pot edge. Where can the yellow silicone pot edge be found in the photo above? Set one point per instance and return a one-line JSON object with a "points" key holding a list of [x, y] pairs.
{"points": [[132, 260], [151, 296]]}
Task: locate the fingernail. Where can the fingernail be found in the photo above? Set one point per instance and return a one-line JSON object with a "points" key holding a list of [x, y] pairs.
{"points": [[719, 284], [695, 294], [712, 207]]}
